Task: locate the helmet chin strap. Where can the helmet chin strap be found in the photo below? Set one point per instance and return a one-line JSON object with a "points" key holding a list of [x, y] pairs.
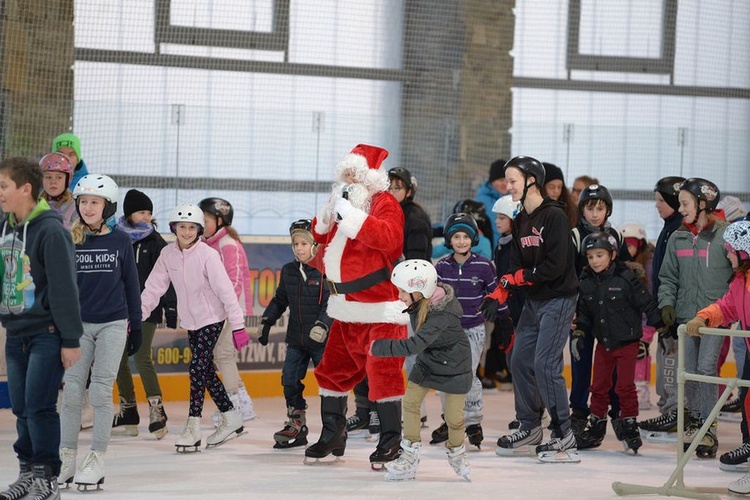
{"points": [[526, 187], [93, 230]]}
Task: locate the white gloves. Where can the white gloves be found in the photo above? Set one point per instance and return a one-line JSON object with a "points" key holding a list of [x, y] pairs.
{"points": [[342, 207], [318, 333]]}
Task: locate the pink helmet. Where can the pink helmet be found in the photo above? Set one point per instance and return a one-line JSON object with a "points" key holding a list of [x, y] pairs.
{"points": [[57, 162]]}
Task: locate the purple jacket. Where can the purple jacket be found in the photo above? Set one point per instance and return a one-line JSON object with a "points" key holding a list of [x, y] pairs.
{"points": [[471, 282]]}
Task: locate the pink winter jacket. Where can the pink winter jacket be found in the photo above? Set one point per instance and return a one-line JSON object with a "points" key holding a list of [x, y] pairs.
{"points": [[204, 292], [235, 262], [733, 306]]}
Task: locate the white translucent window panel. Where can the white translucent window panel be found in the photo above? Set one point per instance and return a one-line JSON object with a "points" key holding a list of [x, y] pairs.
{"points": [[245, 15], [115, 25], [624, 28]]}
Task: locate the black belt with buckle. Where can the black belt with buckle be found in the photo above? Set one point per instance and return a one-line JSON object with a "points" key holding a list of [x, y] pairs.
{"points": [[360, 284]]}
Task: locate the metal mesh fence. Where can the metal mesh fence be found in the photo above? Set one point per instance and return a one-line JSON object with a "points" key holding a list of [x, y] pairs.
{"points": [[256, 101]]}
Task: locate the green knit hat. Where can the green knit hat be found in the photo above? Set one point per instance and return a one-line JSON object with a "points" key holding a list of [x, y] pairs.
{"points": [[67, 140]]}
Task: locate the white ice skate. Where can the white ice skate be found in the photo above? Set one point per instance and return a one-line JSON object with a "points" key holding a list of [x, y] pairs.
{"points": [[91, 472], [242, 402], [68, 467], [460, 462], [230, 428], [405, 466], [740, 486], [190, 439], [559, 450], [519, 442]]}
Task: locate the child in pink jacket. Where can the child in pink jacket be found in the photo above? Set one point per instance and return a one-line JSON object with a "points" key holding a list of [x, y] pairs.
{"points": [[205, 299], [733, 306], [219, 234]]}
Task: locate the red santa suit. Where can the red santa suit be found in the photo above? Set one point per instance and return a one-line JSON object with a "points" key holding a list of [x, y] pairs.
{"points": [[360, 249]]}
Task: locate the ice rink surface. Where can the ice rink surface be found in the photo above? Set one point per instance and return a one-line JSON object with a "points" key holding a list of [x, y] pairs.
{"points": [[247, 467]]}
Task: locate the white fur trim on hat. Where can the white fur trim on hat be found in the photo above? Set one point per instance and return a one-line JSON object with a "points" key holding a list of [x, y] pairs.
{"points": [[376, 180]]}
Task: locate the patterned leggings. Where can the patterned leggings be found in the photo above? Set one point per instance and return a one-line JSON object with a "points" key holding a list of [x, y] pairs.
{"points": [[203, 371]]}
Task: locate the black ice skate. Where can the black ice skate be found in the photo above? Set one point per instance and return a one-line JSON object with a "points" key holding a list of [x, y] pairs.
{"points": [[157, 417], [44, 485], [125, 422], [709, 444], [736, 460], [631, 437], [332, 439], [294, 432], [661, 429], [389, 443], [593, 435], [578, 420], [358, 424], [440, 435], [475, 435], [519, 442], [20, 487], [559, 450], [731, 411]]}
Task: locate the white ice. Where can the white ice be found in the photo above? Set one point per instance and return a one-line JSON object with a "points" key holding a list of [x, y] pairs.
{"points": [[248, 467]]}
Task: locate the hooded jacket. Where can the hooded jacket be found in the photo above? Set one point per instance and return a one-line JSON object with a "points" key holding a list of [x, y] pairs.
{"points": [[544, 249], [39, 291], [442, 348], [233, 256]]}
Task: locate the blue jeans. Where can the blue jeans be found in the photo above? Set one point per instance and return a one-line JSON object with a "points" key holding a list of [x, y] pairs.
{"points": [[295, 369], [34, 375]]}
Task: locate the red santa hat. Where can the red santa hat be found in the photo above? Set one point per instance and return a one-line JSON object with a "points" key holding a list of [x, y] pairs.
{"points": [[366, 163]]}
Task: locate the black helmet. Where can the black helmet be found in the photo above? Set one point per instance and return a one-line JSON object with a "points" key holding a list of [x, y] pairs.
{"points": [[669, 188], [530, 167], [599, 239], [218, 207], [595, 192], [702, 190], [300, 225], [460, 222], [405, 176], [472, 207]]}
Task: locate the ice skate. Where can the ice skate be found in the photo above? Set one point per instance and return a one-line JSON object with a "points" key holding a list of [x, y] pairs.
{"points": [[405, 466], [157, 417], [357, 426], [440, 435], [593, 435], [373, 427], [475, 435], [230, 428], [294, 432], [514, 425], [389, 444], [460, 462], [578, 420], [246, 408], [20, 487], [631, 436], [661, 429], [709, 444], [332, 439], [519, 442], [559, 450], [190, 439], [731, 411], [736, 460], [125, 422], [68, 467], [44, 485], [740, 486], [91, 472]]}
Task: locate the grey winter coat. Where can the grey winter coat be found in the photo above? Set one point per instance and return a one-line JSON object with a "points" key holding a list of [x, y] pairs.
{"points": [[442, 348]]}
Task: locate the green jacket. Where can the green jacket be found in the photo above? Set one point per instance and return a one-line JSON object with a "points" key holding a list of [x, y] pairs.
{"points": [[695, 271]]}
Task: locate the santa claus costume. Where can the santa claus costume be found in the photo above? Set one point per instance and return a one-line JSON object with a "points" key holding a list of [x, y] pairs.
{"points": [[361, 231]]}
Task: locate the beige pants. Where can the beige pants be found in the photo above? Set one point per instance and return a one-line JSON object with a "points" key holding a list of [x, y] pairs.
{"points": [[225, 359], [454, 415]]}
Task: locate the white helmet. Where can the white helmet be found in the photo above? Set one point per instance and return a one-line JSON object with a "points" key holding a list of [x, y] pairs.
{"points": [[98, 185], [737, 235], [186, 212], [507, 207], [415, 275], [633, 230]]}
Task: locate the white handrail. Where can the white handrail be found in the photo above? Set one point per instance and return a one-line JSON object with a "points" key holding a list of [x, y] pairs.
{"points": [[675, 485]]}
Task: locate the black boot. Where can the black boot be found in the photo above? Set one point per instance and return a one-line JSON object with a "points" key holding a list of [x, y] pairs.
{"points": [[333, 436], [440, 435], [593, 435], [389, 444]]}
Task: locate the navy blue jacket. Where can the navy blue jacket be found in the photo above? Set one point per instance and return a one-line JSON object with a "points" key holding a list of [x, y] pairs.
{"points": [[660, 249]]}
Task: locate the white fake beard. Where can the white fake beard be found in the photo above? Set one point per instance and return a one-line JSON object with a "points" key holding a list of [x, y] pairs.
{"points": [[357, 194]]}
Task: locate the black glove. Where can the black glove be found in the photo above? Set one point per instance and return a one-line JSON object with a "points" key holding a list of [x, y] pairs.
{"points": [[576, 344], [133, 343], [668, 340], [489, 309], [668, 315], [263, 330], [643, 349], [503, 333], [170, 316]]}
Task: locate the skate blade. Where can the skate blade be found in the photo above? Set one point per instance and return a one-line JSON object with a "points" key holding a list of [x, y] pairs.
{"points": [[357, 434], [231, 437], [743, 468], [630, 451], [388, 477], [729, 417], [290, 444], [559, 457], [160, 433], [526, 450], [374, 437], [319, 461], [125, 430], [187, 450], [467, 477], [65, 484], [83, 487], [377, 466], [659, 437]]}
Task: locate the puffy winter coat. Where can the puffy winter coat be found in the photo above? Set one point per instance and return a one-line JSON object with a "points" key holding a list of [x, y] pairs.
{"points": [[611, 303], [442, 348], [417, 232], [306, 296]]}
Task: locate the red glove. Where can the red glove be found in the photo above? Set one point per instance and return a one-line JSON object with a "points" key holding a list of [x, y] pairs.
{"points": [[515, 279], [500, 294]]}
